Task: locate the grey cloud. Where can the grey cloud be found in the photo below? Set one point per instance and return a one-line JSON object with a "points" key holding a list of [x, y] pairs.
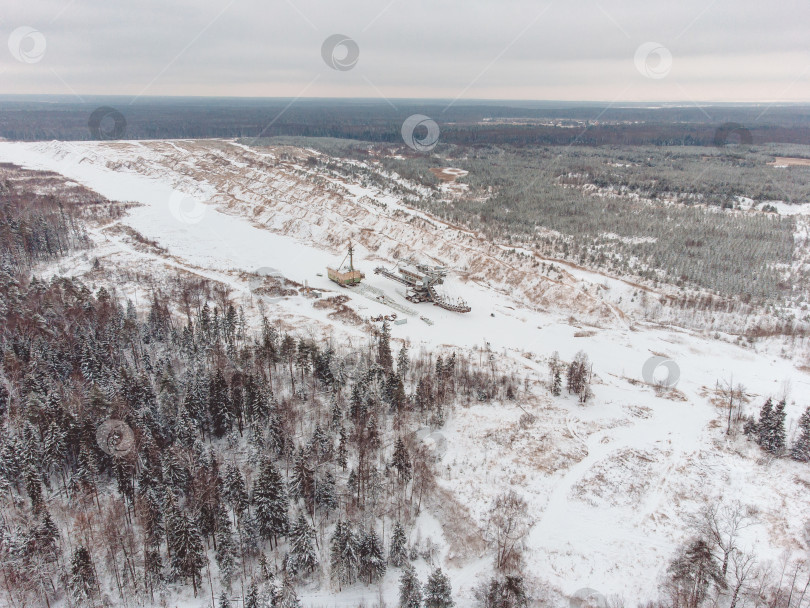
{"points": [[420, 48]]}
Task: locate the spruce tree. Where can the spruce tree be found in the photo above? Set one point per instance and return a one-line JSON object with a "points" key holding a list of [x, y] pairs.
{"points": [[372, 558], [234, 490], [384, 357], [801, 447], [224, 601], [765, 424], [778, 439], [403, 362], [270, 502], [326, 493], [187, 552], [401, 461], [82, 576], [344, 555], [302, 546], [398, 553], [226, 551], [438, 593], [252, 599], [219, 405], [302, 483], [410, 589]]}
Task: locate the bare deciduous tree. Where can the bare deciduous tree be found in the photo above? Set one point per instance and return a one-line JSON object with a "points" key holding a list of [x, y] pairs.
{"points": [[507, 526]]}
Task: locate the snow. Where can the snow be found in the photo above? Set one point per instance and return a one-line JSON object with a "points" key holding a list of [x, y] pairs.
{"points": [[608, 483]]}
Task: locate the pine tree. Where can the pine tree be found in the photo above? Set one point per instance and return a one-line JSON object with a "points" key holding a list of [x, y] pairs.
{"points": [[410, 589], [82, 576], [270, 501], [302, 546], [372, 558], [398, 553], [801, 448], [438, 593], [694, 571], [224, 601]]}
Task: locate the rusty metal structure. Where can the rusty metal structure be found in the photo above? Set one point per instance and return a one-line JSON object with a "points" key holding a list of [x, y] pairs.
{"points": [[420, 281], [346, 276]]}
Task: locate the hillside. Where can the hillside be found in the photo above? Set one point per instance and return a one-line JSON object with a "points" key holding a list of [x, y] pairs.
{"points": [[611, 484]]}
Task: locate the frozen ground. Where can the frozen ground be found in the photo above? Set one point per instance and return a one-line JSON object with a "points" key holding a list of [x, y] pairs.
{"points": [[609, 483]]}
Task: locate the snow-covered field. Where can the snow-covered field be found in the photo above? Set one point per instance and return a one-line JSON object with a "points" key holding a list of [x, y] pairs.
{"points": [[609, 483]]}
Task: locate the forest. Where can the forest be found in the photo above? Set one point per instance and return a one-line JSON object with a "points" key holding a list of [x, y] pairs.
{"points": [[180, 450]]}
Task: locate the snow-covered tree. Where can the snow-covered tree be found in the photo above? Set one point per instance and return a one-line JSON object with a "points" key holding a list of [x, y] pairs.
{"points": [[302, 546], [82, 577], [801, 447], [270, 501], [344, 555], [372, 557], [398, 552], [410, 589], [401, 461], [438, 592]]}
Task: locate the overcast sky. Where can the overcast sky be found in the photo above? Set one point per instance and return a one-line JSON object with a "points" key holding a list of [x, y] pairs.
{"points": [[634, 50]]}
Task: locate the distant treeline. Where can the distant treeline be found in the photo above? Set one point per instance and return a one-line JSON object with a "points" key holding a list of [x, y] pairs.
{"points": [[464, 123]]}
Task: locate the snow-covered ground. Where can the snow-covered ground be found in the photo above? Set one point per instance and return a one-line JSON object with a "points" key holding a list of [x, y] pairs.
{"points": [[609, 483]]}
